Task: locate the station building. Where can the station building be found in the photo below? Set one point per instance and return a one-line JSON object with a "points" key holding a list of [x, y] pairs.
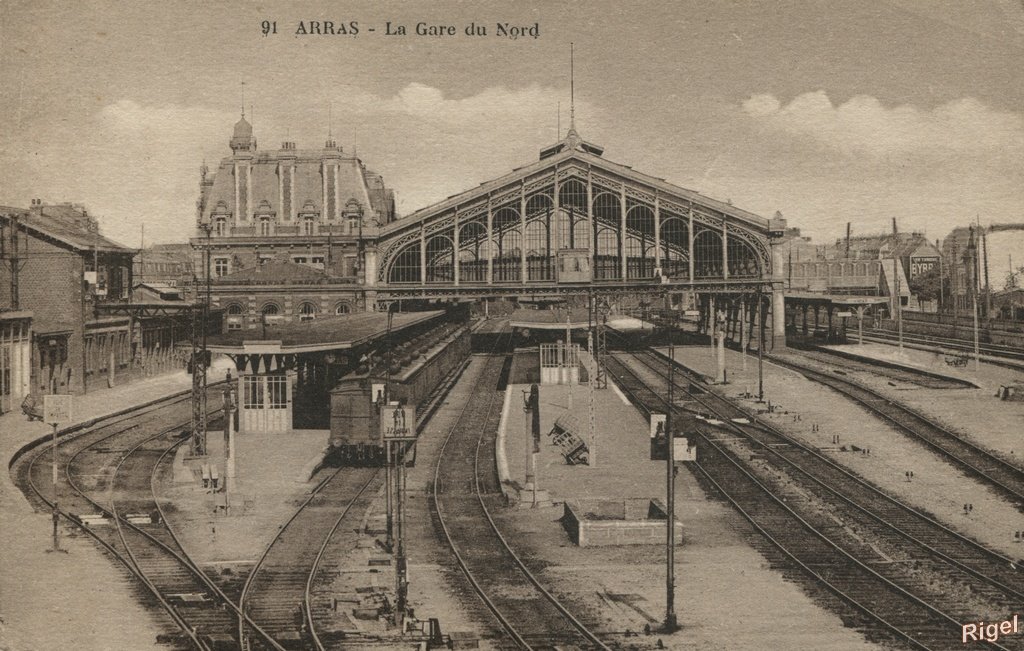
{"points": [[289, 232]]}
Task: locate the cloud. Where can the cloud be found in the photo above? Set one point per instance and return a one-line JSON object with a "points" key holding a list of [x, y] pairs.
{"points": [[864, 126], [132, 163]]}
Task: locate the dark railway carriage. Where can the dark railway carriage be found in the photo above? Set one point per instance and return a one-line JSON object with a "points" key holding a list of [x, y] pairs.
{"points": [[418, 368]]}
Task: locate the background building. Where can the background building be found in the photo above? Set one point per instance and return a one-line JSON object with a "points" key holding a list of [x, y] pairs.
{"points": [[76, 286], [15, 357], [164, 265], [870, 265]]}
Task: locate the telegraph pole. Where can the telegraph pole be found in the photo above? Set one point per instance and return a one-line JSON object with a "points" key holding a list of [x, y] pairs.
{"points": [[899, 303], [760, 347], [389, 498]]}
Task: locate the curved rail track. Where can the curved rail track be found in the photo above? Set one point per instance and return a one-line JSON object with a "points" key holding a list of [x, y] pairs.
{"points": [[530, 615], [278, 591], [275, 591], [109, 473], [891, 591], [1001, 474]]}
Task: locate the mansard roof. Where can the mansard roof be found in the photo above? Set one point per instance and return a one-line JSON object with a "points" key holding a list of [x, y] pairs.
{"points": [[355, 181]]}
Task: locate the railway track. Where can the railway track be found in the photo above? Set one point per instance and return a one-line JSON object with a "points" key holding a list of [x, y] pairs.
{"points": [[870, 550], [279, 590], [997, 472], [109, 474], [462, 497], [844, 364], [275, 593], [948, 343]]}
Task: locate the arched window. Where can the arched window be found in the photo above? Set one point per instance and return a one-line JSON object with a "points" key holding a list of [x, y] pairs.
{"points": [[308, 226], [235, 309], [472, 260], [342, 308], [440, 259], [264, 226], [707, 251], [220, 226], [675, 247], [270, 309], [308, 311], [406, 267]]}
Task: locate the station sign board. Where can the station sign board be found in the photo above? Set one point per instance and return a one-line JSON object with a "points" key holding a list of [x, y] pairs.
{"points": [[397, 423], [57, 409], [657, 425]]}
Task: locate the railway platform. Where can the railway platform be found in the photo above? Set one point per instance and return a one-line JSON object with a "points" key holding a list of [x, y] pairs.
{"points": [[41, 618], [624, 584], [815, 414], [931, 359], [932, 364], [230, 529]]}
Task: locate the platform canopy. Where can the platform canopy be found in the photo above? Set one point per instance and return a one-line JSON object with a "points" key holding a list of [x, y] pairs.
{"points": [[576, 319], [837, 300], [317, 335]]}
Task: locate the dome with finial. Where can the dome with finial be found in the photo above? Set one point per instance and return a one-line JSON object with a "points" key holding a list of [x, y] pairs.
{"points": [[242, 139], [243, 129]]}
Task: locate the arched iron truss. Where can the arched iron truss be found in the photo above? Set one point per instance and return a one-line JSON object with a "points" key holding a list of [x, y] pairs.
{"points": [[631, 232]]}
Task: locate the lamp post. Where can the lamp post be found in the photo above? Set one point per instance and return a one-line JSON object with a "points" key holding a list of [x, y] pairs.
{"points": [[199, 358], [671, 624]]}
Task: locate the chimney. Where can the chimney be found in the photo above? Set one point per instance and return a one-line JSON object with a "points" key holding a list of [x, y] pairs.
{"points": [[894, 231]]}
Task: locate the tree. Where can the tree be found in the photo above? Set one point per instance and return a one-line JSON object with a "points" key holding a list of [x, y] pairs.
{"points": [[926, 286]]}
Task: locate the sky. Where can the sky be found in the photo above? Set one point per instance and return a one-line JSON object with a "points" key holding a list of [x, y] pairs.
{"points": [[830, 112]]}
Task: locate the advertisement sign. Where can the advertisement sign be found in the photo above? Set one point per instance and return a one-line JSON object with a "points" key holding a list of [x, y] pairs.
{"points": [[57, 409], [398, 423], [657, 425]]}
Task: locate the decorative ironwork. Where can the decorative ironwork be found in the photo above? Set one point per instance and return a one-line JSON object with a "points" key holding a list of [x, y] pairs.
{"points": [[586, 214]]}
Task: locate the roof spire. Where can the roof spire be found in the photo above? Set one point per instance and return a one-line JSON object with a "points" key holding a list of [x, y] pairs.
{"points": [[330, 118], [572, 87], [243, 100]]}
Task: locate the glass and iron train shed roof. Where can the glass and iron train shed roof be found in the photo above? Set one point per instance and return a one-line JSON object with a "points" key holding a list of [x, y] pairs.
{"points": [[320, 334]]}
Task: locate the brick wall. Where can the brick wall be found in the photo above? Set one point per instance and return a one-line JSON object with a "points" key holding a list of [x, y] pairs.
{"points": [[50, 284]]}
